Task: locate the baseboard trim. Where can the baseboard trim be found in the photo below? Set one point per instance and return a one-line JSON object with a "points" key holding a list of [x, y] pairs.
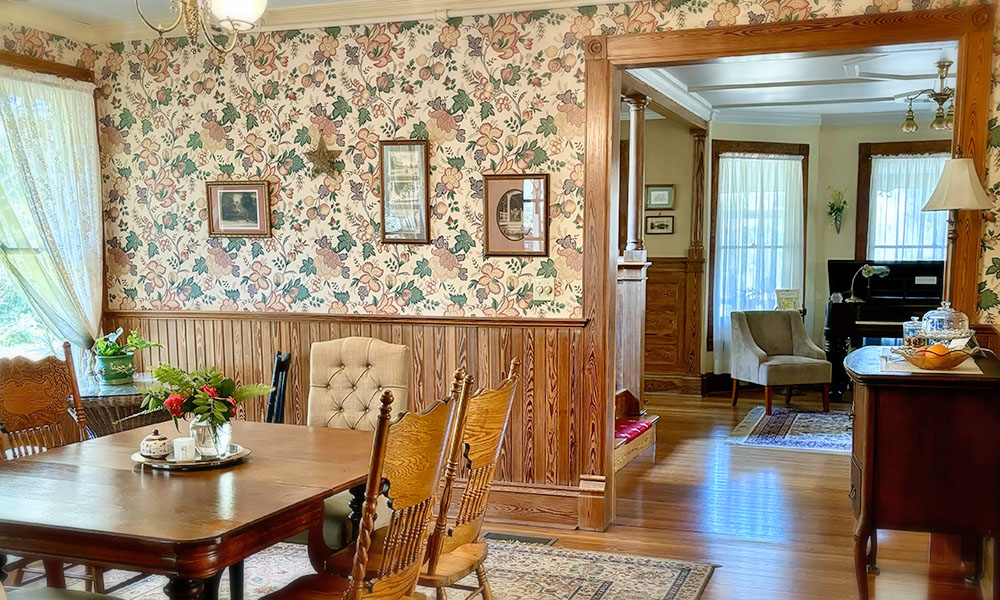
{"points": [[519, 503]]}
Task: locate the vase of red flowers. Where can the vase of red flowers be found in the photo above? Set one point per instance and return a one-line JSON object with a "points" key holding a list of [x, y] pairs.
{"points": [[207, 397]]}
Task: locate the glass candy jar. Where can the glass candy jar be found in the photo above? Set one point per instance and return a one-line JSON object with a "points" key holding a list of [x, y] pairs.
{"points": [[913, 334], [945, 324]]}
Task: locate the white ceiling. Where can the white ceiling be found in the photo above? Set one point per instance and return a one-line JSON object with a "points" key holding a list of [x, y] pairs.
{"points": [[102, 12], [801, 89]]}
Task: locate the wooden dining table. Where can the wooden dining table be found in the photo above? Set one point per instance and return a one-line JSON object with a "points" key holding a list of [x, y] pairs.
{"points": [[89, 503]]}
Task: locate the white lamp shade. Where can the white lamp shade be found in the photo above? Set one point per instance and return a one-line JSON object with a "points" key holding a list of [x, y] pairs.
{"points": [[959, 188], [238, 15]]}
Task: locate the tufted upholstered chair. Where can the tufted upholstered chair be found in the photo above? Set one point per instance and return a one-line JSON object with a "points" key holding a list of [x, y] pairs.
{"points": [[771, 348], [346, 379]]}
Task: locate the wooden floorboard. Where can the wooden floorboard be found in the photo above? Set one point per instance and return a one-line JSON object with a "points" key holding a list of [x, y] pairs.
{"points": [[777, 522]]}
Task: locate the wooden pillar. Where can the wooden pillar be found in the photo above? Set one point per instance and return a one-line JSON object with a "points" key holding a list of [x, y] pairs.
{"points": [[695, 267], [630, 334], [635, 251]]}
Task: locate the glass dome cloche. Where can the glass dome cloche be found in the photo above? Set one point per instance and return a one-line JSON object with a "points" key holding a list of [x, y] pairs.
{"points": [[945, 324]]}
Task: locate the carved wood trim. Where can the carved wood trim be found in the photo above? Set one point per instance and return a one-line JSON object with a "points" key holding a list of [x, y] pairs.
{"points": [[40, 65], [331, 318]]}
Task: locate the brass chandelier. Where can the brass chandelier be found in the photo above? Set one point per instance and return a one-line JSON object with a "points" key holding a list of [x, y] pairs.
{"points": [[943, 120], [231, 17]]}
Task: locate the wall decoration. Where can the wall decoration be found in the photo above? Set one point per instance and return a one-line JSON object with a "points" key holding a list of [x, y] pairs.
{"points": [[323, 160], [659, 224], [406, 212], [238, 208], [836, 206], [660, 197], [516, 215], [787, 299]]}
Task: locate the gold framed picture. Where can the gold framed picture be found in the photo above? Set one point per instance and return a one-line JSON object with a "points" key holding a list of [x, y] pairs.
{"points": [[238, 208], [406, 207], [516, 214]]}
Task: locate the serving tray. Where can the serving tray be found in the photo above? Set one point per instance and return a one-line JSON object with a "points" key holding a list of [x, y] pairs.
{"points": [[236, 454]]}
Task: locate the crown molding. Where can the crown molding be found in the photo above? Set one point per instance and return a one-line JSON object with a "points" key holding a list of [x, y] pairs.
{"points": [[21, 14], [347, 12], [734, 116], [670, 86]]}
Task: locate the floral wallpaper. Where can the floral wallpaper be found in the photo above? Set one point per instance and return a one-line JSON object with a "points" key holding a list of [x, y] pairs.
{"points": [[493, 94]]}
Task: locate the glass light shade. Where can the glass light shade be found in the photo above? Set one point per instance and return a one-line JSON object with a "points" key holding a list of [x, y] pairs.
{"points": [[238, 15], [949, 119], [909, 123], [938, 124], [959, 188]]}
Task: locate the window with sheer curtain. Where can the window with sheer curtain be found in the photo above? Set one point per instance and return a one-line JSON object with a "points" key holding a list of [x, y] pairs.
{"points": [[50, 213], [897, 228], [759, 244]]}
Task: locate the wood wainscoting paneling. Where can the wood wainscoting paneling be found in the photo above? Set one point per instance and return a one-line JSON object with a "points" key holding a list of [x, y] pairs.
{"points": [[540, 463], [673, 327]]}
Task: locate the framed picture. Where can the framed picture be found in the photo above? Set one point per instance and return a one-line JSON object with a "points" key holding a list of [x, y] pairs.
{"points": [[238, 208], [660, 197], [788, 300], [660, 224], [516, 215], [406, 208]]}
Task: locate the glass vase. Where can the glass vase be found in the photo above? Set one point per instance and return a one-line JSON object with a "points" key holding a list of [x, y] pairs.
{"points": [[211, 441]]}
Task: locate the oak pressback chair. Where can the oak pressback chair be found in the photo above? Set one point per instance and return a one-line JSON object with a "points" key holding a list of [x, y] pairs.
{"points": [[406, 462], [34, 417], [455, 552]]}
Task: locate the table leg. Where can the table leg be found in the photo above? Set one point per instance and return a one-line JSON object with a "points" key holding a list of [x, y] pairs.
{"points": [[236, 581], [179, 588], [356, 503], [55, 576], [211, 591]]}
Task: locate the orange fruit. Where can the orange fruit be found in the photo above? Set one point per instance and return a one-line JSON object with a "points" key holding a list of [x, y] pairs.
{"points": [[935, 356]]}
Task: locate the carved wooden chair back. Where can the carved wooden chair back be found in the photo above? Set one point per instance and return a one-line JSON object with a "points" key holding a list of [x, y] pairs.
{"points": [[481, 424], [34, 399], [279, 383], [407, 457]]}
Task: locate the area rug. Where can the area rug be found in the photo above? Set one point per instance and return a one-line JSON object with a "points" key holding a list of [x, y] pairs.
{"points": [[517, 571], [791, 429]]}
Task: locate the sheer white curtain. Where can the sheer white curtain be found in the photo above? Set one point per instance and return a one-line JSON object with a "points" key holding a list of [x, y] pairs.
{"points": [[758, 238], [897, 229], [51, 236]]}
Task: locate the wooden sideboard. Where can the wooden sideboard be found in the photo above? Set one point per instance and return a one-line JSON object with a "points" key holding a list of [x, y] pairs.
{"points": [[925, 456]]}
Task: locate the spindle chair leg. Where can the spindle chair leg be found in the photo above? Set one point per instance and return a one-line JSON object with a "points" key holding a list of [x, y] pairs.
{"points": [[440, 594], [484, 582]]}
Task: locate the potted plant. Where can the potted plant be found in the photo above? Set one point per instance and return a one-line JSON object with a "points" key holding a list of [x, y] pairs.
{"points": [[116, 361], [207, 397]]}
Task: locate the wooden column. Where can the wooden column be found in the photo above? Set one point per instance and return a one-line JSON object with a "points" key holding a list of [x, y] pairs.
{"points": [[695, 268], [635, 251]]}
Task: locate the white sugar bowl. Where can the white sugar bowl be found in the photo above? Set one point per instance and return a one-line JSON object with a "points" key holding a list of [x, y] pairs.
{"points": [[155, 445]]}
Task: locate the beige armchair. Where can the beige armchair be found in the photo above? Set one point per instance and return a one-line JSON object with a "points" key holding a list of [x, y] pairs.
{"points": [[346, 380], [771, 348]]}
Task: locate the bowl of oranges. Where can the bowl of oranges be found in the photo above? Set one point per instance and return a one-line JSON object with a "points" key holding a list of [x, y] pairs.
{"points": [[936, 357]]}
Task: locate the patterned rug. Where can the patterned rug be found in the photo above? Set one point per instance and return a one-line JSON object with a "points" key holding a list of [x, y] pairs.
{"points": [[794, 430], [517, 571]]}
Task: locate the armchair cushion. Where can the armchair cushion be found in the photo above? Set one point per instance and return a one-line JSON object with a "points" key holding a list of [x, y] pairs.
{"points": [[793, 370], [347, 377]]}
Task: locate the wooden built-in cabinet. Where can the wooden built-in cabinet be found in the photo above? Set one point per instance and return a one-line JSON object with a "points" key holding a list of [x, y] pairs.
{"points": [[925, 455]]}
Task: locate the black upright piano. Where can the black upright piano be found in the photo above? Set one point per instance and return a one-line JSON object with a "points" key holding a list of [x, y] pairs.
{"points": [[909, 290]]}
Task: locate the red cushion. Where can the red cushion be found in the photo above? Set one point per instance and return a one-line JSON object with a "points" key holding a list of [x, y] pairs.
{"points": [[629, 430]]}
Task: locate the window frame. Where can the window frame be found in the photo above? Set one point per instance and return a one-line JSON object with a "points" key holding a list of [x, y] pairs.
{"points": [[866, 150], [720, 147]]}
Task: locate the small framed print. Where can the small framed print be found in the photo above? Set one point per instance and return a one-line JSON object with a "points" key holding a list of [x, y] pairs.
{"points": [[788, 299], [406, 209], [516, 215], [660, 197], [238, 208], [660, 224]]}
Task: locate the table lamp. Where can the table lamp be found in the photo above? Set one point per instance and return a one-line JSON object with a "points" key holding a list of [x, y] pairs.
{"points": [[958, 189]]}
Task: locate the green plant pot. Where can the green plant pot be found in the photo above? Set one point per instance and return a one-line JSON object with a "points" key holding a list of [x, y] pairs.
{"points": [[116, 370]]}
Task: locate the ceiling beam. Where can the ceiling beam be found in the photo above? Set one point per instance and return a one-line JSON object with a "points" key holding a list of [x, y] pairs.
{"points": [[668, 105], [863, 78]]}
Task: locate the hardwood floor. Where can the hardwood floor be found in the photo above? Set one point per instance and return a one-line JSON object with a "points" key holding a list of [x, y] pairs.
{"points": [[778, 522]]}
